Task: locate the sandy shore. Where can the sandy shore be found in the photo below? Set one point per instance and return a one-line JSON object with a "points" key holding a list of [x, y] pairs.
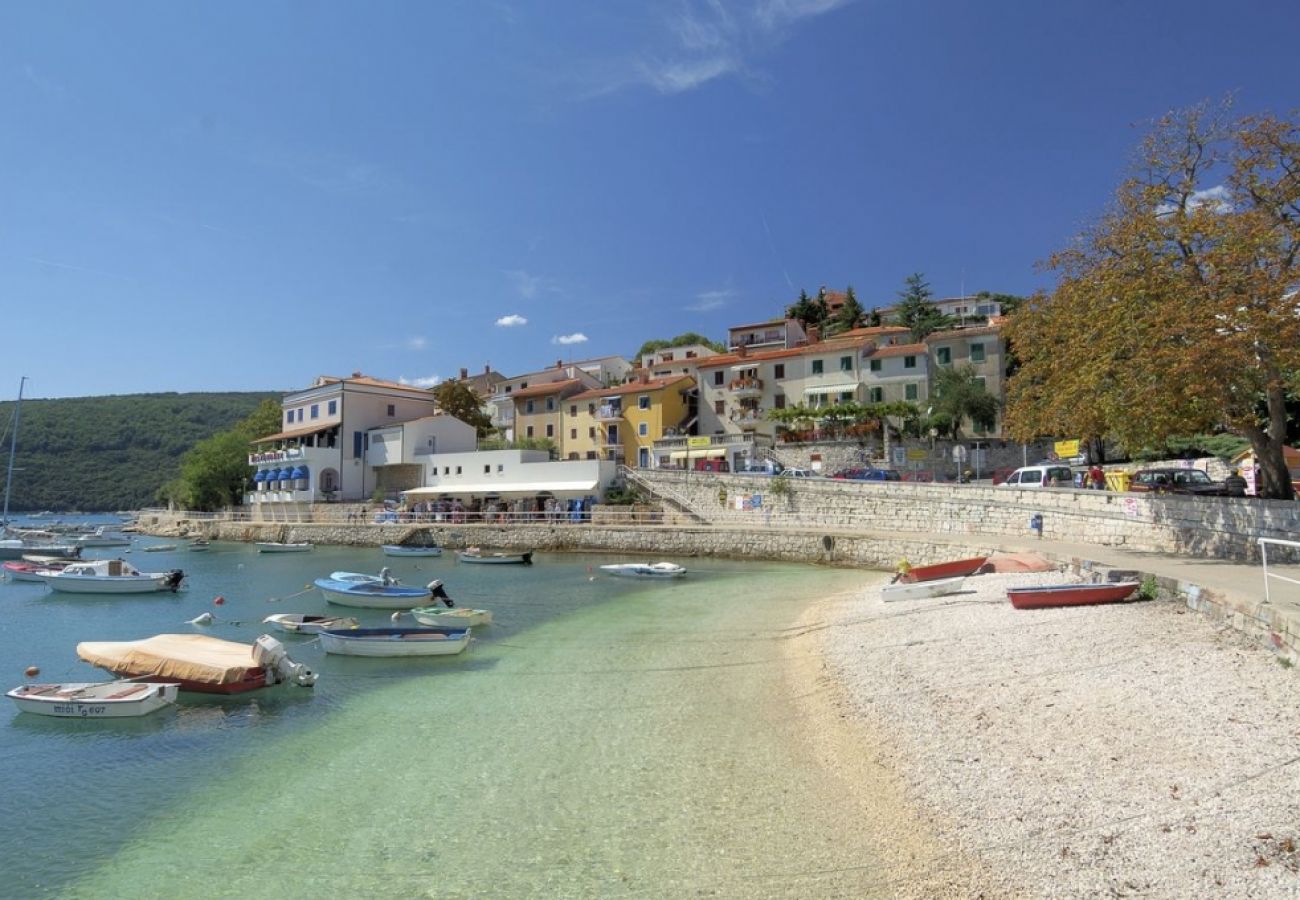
{"points": [[1123, 750]]}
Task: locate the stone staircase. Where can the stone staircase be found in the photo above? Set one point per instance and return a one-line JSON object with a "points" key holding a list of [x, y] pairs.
{"points": [[664, 494]]}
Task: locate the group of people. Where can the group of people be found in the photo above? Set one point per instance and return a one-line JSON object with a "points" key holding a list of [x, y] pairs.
{"points": [[1093, 479]]}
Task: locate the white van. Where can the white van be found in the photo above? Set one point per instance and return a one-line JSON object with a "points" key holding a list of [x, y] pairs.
{"points": [[1040, 477]]}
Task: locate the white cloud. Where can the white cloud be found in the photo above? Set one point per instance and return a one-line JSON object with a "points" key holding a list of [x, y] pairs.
{"points": [[511, 321], [426, 382], [772, 14], [1217, 198], [710, 300], [416, 343], [676, 77], [576, 338]]}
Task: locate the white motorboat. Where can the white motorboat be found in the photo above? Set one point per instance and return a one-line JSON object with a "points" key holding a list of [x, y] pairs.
{"points": [[100, 538], [95, 700], [413, 550], [396, 641], [645, 570], [110, 576], [475, 555], [371, 592], [279, 547], [158, 548], [298, 623], [922, 589]]}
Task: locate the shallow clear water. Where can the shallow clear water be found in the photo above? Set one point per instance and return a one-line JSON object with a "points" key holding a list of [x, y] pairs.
{"points": [[604, 737]]}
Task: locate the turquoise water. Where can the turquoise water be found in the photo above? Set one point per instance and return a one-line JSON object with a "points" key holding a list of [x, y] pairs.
{"points": [[605, 737]]}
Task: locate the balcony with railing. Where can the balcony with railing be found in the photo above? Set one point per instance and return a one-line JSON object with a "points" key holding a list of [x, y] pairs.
{"points": [[746, 387], [747, 418], [609, 412]]}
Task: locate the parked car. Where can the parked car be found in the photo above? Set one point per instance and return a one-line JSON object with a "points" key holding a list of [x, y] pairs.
{"points": [[1040, 477], [1177, 481], [795, 472], [765, 467], [712, 465], [868, 474]]}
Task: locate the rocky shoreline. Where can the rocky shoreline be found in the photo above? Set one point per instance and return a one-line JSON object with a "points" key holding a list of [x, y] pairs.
{"points": [[1128, 749]]}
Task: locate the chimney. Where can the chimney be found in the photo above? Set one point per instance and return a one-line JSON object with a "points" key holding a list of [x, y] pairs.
{"points": [[487, 369], [814, 334], [559, 364], [356, 374], [464, 373], [742, 351], [645, 377]]}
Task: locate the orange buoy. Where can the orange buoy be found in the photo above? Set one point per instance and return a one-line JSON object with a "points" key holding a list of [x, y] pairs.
{"points": [[220, 600], [32, 671]]}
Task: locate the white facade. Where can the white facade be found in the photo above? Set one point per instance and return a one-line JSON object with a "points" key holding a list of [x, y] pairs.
{"points": [[516, 473]]}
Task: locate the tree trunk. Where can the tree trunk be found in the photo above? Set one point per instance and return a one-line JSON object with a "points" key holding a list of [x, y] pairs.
{"points": [[1268, 450]]}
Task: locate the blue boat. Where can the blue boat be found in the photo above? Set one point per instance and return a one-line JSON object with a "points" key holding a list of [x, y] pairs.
{"points": [[370, 592], [395, 641]]}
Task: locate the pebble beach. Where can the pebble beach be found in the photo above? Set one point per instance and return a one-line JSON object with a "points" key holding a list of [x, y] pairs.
{"points": [[1129, 749]]}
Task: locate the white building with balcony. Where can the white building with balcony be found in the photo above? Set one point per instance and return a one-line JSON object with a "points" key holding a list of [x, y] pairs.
{"points": [[402, 456], [488, 475]]}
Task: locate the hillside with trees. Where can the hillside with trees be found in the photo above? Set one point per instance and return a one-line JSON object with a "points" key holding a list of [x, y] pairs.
{"points": [[114, 452]]}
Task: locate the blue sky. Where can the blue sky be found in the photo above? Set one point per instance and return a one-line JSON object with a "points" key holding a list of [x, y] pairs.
{"points": [[243, 196]]}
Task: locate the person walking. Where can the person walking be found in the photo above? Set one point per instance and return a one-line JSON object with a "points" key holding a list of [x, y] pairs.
{"points": [[1234, 485], [1097, 478]]}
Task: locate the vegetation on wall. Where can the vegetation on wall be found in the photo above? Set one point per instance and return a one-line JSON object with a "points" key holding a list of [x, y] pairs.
{"points": [[114, 452]]}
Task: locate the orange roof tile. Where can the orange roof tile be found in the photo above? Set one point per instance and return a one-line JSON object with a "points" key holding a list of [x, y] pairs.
{"points": [[962, 332], [830, 345], [543, 390], [632, 387]]}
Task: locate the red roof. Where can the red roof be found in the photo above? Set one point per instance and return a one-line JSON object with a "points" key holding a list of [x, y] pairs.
{"points": [[544, 390], [830, 345], [632, 387]]}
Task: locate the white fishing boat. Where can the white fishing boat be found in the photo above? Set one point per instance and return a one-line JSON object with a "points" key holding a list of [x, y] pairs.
{"points": [[645, 570], [299, 623], [921, 589], [95, 700], [110, 576], [458, 617], [475, 555], [100, 538], [279, 547], [199, 545], [412, 550], [158, 548], [396, 641]]}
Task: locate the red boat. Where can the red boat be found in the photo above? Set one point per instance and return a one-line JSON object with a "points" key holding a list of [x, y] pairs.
{"points": [[1045, 596], [958, 568]]}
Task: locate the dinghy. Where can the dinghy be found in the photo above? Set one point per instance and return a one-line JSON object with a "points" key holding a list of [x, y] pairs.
{"points": [[369, 592], [395, 641], [475, 555], [97, 700], [921, 589], [414, 550], [645, 570], [298, 623], [278, 547], [1046, 596]]}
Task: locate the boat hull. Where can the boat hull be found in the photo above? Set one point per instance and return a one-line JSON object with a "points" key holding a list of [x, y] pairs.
{"points": [[266, 547], [373, 596], [390, 642], [298, 624], [497, 559], [958, 568], [1045, 597], [921, 589], [104, 700], [460, 617], [636, 570], [398, 550], [107, 584]]}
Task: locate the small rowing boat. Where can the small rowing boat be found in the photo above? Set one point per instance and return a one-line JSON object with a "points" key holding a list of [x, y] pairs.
{"points": [[298, 623], [921, 589], [957, 568], [645, 570], [396, 641], [94, 700], [278, 547], [413, 550], [1046, 596], [475, 555]]}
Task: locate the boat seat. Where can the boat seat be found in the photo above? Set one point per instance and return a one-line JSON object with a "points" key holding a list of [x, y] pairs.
{"points": [[127, 692]]}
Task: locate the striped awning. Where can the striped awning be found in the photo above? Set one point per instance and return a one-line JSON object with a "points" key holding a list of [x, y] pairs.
{"points": [[833, 388]]}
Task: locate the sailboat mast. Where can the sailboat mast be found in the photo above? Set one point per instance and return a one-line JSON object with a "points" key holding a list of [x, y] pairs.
{"points": [[13, 446]]}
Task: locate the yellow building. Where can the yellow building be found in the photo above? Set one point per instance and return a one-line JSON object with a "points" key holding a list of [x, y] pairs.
{"points": [[623, 422], [540, 414]]}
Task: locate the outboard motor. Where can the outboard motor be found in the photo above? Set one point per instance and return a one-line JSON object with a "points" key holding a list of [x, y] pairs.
{"points": [[174, 579], [436, 588], [271, 655]]}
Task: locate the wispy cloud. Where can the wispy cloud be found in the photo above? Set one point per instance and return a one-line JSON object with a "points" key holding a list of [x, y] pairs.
{"points": [[42, 82], [511, 321], [416, 342], [704, 40], [1216, 198], [576, 338], [426, 382], [69, 267], [710, 300], [529, 286]]}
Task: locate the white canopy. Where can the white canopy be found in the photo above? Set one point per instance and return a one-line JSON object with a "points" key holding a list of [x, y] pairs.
{"points": [[535, 487], [832, 388], [701, 453]]}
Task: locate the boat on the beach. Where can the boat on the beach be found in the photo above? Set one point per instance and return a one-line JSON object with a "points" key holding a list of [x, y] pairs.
{"points": [[279, 547], [200, 663], [957, 568], [1045, 596], [644, 570], [94, 700], [367, 592], [300, 623], [110, 576], [411, 550], [395, 641], [940, 587], [475, 555]]}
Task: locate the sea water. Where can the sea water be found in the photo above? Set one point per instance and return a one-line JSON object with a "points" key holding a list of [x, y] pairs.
{"points": [[604, 737]]}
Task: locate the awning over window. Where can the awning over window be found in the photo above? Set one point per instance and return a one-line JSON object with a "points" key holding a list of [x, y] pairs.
{"points": [[850, 387], [501, 488], [297, 432], [702, 453]]}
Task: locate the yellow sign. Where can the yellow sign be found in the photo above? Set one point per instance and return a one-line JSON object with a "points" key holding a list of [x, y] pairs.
{"points": [[694, 443], [914, 453], [1066, 449]]}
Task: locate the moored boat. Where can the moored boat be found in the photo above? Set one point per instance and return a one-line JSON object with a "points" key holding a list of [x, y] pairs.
{"points": [[157, 548], [100, 538], [280, 547], [94, 700], [199, 545], [371, 593], [645, 570], [110, 576], [29, 570], [459, 617], [957, 568], [1050, 595], [411, 550], [475, 555], [200, 663], [395, 641], [938, 588], [299, 623]]}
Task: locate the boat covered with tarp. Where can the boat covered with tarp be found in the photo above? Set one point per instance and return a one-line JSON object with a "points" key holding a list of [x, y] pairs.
{"points": [[199, 663]]}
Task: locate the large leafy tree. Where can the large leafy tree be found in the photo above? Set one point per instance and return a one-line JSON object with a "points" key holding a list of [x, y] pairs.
{"points": [[959, 394], [458, 400], [215, 472], [916, 310], [1177, 310], [848, 316]]}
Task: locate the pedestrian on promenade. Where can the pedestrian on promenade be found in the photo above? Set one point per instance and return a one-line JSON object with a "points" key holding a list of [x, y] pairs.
{"points": [[1234, 484], [1097, 478]]}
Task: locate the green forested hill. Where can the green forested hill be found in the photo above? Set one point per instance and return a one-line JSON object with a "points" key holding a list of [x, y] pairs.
{"points": [[106, 453]]}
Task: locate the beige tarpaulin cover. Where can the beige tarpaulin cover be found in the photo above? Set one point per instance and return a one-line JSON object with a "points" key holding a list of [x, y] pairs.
{"points": [[1018, 562], [192, 657]]}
